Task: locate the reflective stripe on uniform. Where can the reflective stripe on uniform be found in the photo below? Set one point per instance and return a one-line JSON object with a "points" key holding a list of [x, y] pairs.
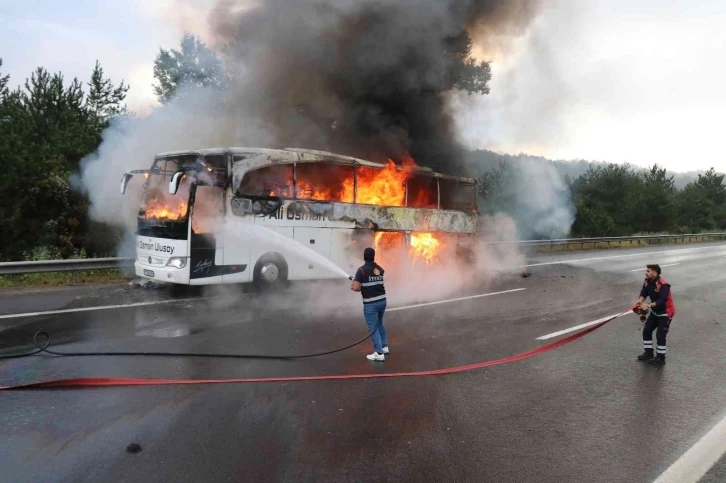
{"points": [[370, 284], [375, 299]]}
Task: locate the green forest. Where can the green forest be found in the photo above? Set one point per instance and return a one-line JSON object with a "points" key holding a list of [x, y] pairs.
{"points": [[48, 124], [608, 199]]}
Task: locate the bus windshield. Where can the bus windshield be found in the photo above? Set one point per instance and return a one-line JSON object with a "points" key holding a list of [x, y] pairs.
{"points": [[162, 214]]}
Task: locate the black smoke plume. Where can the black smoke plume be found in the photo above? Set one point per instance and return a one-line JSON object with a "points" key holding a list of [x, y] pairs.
{"points": [[367, 78]]}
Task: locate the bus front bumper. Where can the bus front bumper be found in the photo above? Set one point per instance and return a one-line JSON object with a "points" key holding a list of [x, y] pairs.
{"points": [[162, 274]]}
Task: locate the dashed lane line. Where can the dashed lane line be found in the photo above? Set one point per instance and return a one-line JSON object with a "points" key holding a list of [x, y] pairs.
{"points": [[425, 304], [99, 307], [578, 327], [662, 266]]}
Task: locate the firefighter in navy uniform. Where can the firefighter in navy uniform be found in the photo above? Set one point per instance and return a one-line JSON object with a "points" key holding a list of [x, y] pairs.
{"points": [[662, 311], [369, 282]]}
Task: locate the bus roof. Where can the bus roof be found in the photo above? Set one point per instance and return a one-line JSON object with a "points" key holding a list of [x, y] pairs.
{"points": [[258, 157]]}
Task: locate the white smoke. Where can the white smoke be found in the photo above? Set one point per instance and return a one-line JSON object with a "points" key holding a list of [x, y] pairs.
{"points": [[197, 119], [542, 205]]}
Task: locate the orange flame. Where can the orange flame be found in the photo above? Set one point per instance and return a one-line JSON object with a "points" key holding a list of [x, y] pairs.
{"points": [[424, 246], [310, 192], [161, 206], [388, 245], [166, 211], [383, 187], [201, 222], [386, 187], [388, 239]]}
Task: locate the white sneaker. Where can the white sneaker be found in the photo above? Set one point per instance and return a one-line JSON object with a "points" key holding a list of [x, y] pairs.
{"points": [[376, 357], [386, 351]]}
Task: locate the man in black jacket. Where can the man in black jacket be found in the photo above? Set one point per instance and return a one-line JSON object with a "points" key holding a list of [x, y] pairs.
{"points": [[662, 310], [369, 282]]}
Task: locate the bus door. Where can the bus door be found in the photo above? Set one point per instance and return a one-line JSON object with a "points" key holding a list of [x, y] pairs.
{"points": [[206, 254]]}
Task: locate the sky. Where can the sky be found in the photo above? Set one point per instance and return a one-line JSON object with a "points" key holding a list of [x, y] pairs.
{"points": [[638, 81]]}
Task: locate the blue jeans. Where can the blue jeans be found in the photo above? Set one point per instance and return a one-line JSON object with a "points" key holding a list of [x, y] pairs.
{"points": [[373, 313]]}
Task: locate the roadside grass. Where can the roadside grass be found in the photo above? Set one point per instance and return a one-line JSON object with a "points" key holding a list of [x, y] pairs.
{"points": [[57, 279]]}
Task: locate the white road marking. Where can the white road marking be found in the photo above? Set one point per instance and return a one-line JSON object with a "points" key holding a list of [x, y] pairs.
{"points": [[696, 462], [561, 262], [662, 266], [159, 302], [581, 326], [455, 300], [88, 309]]}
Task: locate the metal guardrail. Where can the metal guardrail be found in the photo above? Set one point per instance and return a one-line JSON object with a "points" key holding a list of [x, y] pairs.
{"points": [[70, 265], [563, 244], [567, 244]]}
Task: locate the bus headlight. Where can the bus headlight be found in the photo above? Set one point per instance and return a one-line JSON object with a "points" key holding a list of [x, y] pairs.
{"points": [[177, 262]]}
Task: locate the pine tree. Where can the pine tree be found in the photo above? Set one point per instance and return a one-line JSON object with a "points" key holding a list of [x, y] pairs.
{"points": [[104, 100], [194, 65], [3, 81]]}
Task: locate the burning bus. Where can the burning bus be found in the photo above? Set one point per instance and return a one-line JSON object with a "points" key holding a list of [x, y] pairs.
{"points": [[196, 205]]}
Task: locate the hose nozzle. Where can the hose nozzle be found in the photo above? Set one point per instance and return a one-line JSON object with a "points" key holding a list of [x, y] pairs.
{"points": [[642, 313]]}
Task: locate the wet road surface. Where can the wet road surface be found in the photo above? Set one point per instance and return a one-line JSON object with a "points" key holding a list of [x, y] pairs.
{"points": [[717, 474], [585, 412]]}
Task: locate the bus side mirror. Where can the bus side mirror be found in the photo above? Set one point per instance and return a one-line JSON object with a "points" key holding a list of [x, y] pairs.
{"points": [[245, 205], [241, 206], [125, 181], [174, 183]]}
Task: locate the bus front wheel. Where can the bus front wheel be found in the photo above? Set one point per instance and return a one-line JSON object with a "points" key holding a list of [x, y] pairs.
{"points": [[270, 271]]}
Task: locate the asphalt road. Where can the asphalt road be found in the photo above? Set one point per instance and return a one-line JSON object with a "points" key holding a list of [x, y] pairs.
{"points": [[587, 411]]}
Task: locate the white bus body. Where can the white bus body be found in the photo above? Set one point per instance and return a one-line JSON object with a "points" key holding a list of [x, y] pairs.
{"points": [[220, 191]]}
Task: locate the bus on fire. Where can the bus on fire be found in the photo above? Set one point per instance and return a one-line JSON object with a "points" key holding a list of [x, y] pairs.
{"points": [[334, 205]]}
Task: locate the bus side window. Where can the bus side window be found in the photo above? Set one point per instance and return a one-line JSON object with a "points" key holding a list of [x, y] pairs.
{"points": [[422, 192], [457, 195], [324, 182], [270, 181], [208, 208]]}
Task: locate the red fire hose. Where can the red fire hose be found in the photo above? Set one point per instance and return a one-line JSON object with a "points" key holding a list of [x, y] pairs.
{"points": [[108, 381]]}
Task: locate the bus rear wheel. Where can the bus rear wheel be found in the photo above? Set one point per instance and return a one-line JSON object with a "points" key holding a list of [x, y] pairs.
{"points": [[270, 271]]}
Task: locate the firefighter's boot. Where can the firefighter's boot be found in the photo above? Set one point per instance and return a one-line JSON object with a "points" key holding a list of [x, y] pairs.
{"points": [[646, 356]]}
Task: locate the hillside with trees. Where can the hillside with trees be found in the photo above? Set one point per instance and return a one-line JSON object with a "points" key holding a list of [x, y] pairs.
{"points": [[483, 161], [615, 199]]}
